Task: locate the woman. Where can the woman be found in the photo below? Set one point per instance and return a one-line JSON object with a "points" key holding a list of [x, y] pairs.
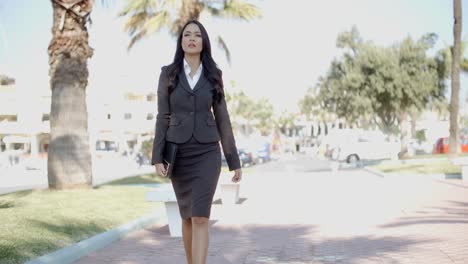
{"points": [[190, 91]]}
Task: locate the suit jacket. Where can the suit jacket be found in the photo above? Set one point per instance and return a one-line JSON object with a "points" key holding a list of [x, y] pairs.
{"points": [[186, 113]]}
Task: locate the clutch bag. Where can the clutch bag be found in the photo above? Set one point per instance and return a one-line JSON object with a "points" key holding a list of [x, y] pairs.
{"points": [[169, 156]]}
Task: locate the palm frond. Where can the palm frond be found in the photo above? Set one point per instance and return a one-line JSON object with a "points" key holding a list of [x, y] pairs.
{"points": [[146, 17], [224, 47], [148, 27], [136, 38], [236, 9], [138, 6], [135, 22], [157, 22]]}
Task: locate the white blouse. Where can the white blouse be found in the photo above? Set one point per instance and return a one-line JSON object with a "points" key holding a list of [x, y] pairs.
{"points": [[196, 77]]}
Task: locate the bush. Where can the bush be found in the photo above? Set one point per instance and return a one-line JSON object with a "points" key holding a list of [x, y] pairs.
{"points": [[421, 135]]}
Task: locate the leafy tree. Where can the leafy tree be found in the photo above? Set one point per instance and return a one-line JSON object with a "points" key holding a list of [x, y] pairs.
{"points": [[263, 115], [285, 121], [252, 113], [240, 107], [313, 108], [380, 84]]}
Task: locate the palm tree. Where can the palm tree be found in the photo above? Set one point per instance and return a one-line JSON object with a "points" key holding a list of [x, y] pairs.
{"points": [[69, 158], [456, 57], [147, 17]]}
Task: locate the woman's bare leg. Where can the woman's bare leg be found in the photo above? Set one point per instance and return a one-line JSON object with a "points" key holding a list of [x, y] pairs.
{"points": [[187, 237], [199, 239]]}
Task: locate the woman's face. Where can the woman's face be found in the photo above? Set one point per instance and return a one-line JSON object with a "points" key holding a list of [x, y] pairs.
{"points": [[192, 39]]}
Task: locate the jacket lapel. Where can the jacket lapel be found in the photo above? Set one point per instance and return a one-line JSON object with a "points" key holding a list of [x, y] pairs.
{"points": [[184, 82], [200, 82]]}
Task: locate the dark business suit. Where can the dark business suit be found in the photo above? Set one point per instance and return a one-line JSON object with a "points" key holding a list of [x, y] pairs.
{"points": [[186, 113], [185, 117]]}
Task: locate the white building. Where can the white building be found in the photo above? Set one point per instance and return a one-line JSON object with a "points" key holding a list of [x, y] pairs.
{"points": [[115, 122], [24, 121], [124, 119]]}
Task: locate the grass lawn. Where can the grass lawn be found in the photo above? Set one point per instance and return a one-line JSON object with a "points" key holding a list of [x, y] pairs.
{"points": [[38, 222], [141, 179], [430, 156], [34, 223], [443, 166]]}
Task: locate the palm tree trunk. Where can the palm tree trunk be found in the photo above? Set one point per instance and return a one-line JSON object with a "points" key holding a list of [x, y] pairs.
{"points": [[454, 100], [69, 158]]}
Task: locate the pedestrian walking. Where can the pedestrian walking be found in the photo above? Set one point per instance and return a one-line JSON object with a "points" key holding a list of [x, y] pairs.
{"points": [[192, 113]]}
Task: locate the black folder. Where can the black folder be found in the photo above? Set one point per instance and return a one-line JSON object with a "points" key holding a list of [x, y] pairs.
{"points": [[169, 156]]}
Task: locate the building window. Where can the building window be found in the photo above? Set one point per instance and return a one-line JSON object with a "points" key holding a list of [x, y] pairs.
{"points": [[18, 146], [150, 116], [45, 117], [127, 116], [105, 145]]}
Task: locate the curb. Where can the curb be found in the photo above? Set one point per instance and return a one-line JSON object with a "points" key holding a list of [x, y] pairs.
{"points": [[374, 171], [85, 247]]}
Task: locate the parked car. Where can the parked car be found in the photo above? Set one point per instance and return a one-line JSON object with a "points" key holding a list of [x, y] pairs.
{"points": [[264, 153], [246, 158], [365, 148], [417, 147], [441, 145], [335, 138]]}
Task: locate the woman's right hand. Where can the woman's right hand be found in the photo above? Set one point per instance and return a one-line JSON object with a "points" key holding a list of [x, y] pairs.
{"points": [[160, 169]]}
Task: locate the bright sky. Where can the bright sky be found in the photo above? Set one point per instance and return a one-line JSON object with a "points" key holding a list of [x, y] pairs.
{"points": [[278, 56]]}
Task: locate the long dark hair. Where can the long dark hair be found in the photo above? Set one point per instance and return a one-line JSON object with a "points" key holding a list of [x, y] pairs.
{"points": [[210, 69]]}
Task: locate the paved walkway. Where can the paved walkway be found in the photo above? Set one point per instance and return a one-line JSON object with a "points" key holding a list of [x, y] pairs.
{"points": [[293, 217]]}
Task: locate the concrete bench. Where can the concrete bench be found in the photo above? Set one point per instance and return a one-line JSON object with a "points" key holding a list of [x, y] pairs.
{"points": [[165, 194], [463, 162], [228, 192]]}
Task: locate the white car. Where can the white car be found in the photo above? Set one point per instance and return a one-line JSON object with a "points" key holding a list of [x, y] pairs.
{"points": [[365, 148]]}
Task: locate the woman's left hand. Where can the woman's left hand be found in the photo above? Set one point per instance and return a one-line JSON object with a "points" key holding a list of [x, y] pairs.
{"points": [[237, 175]]}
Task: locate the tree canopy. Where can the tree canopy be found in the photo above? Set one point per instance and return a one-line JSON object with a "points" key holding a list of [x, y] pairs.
{"points": [[371, 83]]}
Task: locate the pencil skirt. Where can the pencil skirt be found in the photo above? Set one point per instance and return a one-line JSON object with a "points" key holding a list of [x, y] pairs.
{"points": [[195, 176]]}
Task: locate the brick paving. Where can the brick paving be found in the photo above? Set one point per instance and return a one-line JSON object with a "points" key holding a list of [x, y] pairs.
{"points": [[298, 217]]}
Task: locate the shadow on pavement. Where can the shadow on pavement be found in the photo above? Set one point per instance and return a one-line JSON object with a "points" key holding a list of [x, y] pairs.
{"points": [[247, 244], [452, 184], [433, 215]]}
